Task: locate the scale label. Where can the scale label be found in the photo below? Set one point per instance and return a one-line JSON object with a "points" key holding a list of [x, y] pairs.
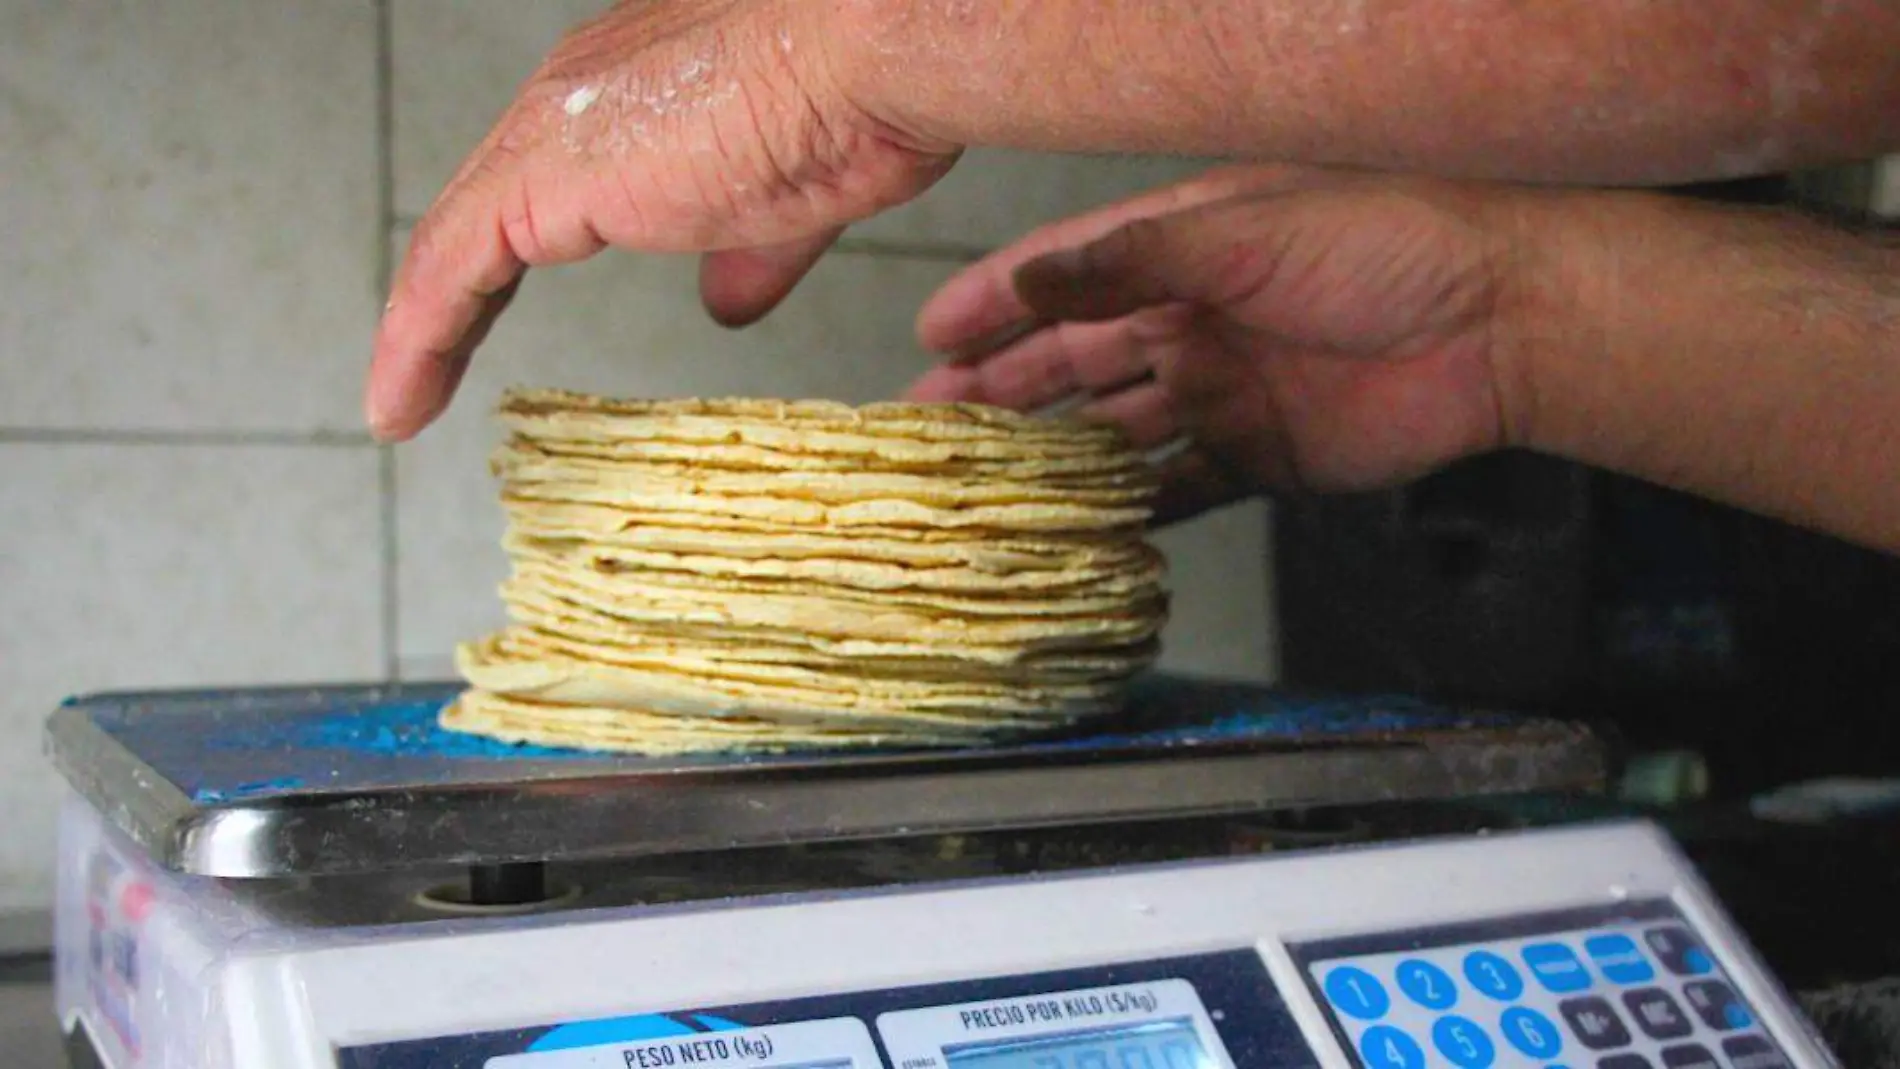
{"points": [[1158, 1025], [836, 1043]]}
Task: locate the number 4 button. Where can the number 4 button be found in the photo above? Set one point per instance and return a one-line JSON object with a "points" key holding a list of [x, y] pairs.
{"points": [[1385, 1047]]}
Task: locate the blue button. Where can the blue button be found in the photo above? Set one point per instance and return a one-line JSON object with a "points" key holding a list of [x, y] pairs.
{"points": [[1557, 967], [1427, 984], [1618, 958], [1531, 1032], [1385, 1047], [1493, 975], [1678, 951], [1463, 1042], [1357, 994], [1737, 1015]]}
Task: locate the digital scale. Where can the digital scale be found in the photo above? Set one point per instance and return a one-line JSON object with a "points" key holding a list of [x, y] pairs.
{"points": [[1226, 878]]}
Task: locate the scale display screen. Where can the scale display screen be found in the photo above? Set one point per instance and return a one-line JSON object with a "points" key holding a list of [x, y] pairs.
{"points": [[1171, 1044], [1146, 1024], [1208, 1011]]}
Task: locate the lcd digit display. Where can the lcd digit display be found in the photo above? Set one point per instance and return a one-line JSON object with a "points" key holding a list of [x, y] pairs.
{"points": [[1151, 1045]]}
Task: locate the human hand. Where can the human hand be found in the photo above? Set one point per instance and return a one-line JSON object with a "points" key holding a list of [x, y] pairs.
{"points": [[715, 126], [1290, 329]]}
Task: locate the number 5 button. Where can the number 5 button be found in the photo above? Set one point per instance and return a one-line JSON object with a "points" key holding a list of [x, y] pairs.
{"points": [[1463, 1042]]}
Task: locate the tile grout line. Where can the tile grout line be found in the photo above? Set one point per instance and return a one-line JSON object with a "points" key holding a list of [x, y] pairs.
{"points": [[109, 436], [389, 547]]}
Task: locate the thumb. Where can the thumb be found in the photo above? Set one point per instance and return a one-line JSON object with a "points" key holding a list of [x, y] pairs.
{"points": [[1211, 255]]}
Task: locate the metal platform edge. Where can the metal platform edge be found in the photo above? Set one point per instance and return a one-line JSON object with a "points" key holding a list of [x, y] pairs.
{"points": [[609, 817], [157, 816]]}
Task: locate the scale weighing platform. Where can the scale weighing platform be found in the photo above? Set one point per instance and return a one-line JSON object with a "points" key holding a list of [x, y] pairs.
{"points": [[1229, 878]]}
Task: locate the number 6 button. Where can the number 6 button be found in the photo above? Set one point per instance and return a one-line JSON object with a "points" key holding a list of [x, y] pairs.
{"points": [[1531, 1032]]}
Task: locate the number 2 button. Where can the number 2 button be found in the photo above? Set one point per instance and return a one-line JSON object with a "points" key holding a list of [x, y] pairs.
{"points": [[1427, 984]]}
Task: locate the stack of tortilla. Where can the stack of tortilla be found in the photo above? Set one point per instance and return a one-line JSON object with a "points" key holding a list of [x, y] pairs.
{"points": [[745, 575]]}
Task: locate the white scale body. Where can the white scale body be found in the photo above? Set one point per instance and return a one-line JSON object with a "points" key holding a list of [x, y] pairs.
{"points": [[1465, 953]]}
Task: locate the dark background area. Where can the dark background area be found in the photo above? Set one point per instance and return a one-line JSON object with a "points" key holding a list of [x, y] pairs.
{"points": [[1525, 582]]}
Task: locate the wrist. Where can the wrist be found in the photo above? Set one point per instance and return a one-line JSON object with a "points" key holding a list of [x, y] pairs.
{"points": [[1551, 277], [1745, 355], [882, 56]]}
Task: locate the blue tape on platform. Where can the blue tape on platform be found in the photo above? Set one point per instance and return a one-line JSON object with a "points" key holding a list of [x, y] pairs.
{"points": [[238, 746]]}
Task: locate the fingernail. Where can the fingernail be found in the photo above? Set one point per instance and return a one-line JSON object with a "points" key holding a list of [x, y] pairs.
{"points": [[1056, 278], [995, 341], [1073, 260]]}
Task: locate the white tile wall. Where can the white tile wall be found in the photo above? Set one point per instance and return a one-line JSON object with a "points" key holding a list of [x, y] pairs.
{"points": [[163, 565], [1221, 579], [457, 65], [188, 200], [191, 198], [1887, 188]]}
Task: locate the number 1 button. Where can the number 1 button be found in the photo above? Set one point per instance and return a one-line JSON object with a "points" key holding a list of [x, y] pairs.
{"points": [[1357, 994]]}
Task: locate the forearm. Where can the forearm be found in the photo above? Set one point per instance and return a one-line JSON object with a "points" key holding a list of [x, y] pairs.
{"points": [[1569, 90], [1749, 357]]}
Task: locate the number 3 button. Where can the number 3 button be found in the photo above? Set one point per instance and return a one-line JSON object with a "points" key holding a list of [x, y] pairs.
{"points": [[1493, 975], [1427, 984]]}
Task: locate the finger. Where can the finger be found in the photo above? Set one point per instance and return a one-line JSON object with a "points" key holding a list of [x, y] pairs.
{"points": [[740, 286], [945, 384], [1143, 413], [981, 302], [409, 388], [464, 262], [1061, 362], [1209, 256], [1193, 481]]}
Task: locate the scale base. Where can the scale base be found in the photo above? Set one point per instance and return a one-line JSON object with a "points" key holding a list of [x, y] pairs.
{"points": [[162, 971]]}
